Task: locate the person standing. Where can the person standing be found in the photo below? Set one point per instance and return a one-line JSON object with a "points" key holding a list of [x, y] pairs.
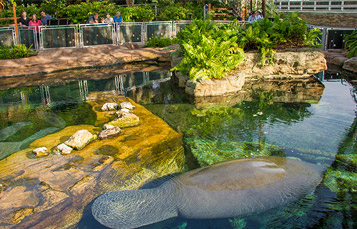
{"points": [[24, 20], [44, 17], [118, 19], [109, 20], [36, 23], [93, 19]]}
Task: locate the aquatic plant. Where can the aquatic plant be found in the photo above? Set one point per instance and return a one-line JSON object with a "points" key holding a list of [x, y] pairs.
{"points": [[351, 44]]}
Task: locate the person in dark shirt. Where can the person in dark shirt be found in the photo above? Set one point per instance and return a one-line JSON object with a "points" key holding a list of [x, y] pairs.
{"points": [[93, 19], [24, 20]]}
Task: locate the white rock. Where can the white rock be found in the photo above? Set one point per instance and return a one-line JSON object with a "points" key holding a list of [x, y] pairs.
{"points": [[63, 149], [40, 152], [127, 105], [125, 110], [80, 139], [107, 127], [110, 107]]}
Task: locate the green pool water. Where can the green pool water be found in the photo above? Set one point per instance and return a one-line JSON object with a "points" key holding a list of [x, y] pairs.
{"points": [[310, 121]]}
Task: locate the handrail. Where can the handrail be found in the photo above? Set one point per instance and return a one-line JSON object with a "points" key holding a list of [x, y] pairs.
{"points": [[321, 6]]}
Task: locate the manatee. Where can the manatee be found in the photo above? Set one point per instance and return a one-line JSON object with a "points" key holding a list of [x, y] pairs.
{"points": [[227, 189]]}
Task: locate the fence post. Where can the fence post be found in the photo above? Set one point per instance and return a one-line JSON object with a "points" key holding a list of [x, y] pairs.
{"points": [[16, 27], [342, 4]]}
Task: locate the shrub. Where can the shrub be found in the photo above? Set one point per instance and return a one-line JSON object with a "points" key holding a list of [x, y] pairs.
{"points": [[212, 50], [351, 44], [15, 52], [208, 51], [160, 42]]}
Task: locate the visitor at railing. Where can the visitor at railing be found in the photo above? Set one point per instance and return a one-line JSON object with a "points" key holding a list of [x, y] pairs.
{"points": [[44, 17], [256, 15], [35, 23], [24, 20], [118, 19], [93, 19], [108, 19]]}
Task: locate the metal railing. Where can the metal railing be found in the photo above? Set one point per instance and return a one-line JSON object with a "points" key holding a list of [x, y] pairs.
{"points": [[321, 6], [79, 36]]}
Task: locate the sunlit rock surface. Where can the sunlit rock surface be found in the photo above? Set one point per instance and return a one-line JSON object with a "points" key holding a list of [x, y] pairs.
{"points": [[51, 192]]}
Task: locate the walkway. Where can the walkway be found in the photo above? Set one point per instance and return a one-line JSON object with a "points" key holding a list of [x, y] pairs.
{"points": [[64, 59]]}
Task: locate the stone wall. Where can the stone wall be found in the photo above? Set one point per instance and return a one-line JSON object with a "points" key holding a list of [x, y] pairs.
{"points": [[288, 64], [330, 19]]}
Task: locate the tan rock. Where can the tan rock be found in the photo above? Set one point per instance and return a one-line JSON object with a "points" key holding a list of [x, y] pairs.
{"points": [[107, 126], [126, 120], [80, 139], [230, 84], [40, 152], [127, 105], [110, 107], [108, 133], [62, 149], [351, 64]]}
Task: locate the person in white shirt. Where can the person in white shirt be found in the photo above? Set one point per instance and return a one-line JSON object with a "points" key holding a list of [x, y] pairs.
{"points": [[108, 19]]}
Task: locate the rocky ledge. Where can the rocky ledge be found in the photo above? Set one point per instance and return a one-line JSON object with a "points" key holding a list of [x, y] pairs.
{"points": [[338, 57], [47, 61], [289, 64], [52, 191]]}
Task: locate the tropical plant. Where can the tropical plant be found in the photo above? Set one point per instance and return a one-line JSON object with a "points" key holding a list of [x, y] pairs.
{"points": [[160, 42], [210, 58], [351, 44], [15, 52]]}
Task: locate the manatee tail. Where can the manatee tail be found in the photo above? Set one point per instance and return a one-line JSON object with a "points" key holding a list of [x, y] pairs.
{"points": [[132, 209]]}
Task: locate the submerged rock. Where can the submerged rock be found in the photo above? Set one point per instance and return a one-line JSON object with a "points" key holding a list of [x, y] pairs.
{"points": [[110, 107], [351, 64], [60, 187], [127, 105], [40, 152], [11, 130], [107, 126], [63, 149], [80, 139], [108, 133], [126, 120]]}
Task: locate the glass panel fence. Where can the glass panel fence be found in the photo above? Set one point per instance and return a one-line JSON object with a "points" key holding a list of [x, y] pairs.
{"points": [[27, 37], [158, 29], [178, 26], [7, 36], [130, 32], [96, 35], [58, 37]]}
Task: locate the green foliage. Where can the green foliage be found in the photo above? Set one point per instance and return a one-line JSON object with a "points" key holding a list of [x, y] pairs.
{"points": [[180, 11], [15, 52], [160, 42], [351, 44], [209, 52]]}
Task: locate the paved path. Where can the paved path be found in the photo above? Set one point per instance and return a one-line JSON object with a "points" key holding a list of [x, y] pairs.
{"points": [[63, 59]]}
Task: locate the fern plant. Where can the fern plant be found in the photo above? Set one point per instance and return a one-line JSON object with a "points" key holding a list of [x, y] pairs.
{"points": [[211, 58], [351, 44]]}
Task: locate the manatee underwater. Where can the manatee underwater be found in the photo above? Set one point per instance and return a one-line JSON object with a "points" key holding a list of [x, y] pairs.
{"points": [[226, 189]]}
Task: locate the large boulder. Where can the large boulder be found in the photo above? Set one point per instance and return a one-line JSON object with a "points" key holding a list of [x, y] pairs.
{"points": [[80, 139], [215, 87], [351, 64], [53, 191]]}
